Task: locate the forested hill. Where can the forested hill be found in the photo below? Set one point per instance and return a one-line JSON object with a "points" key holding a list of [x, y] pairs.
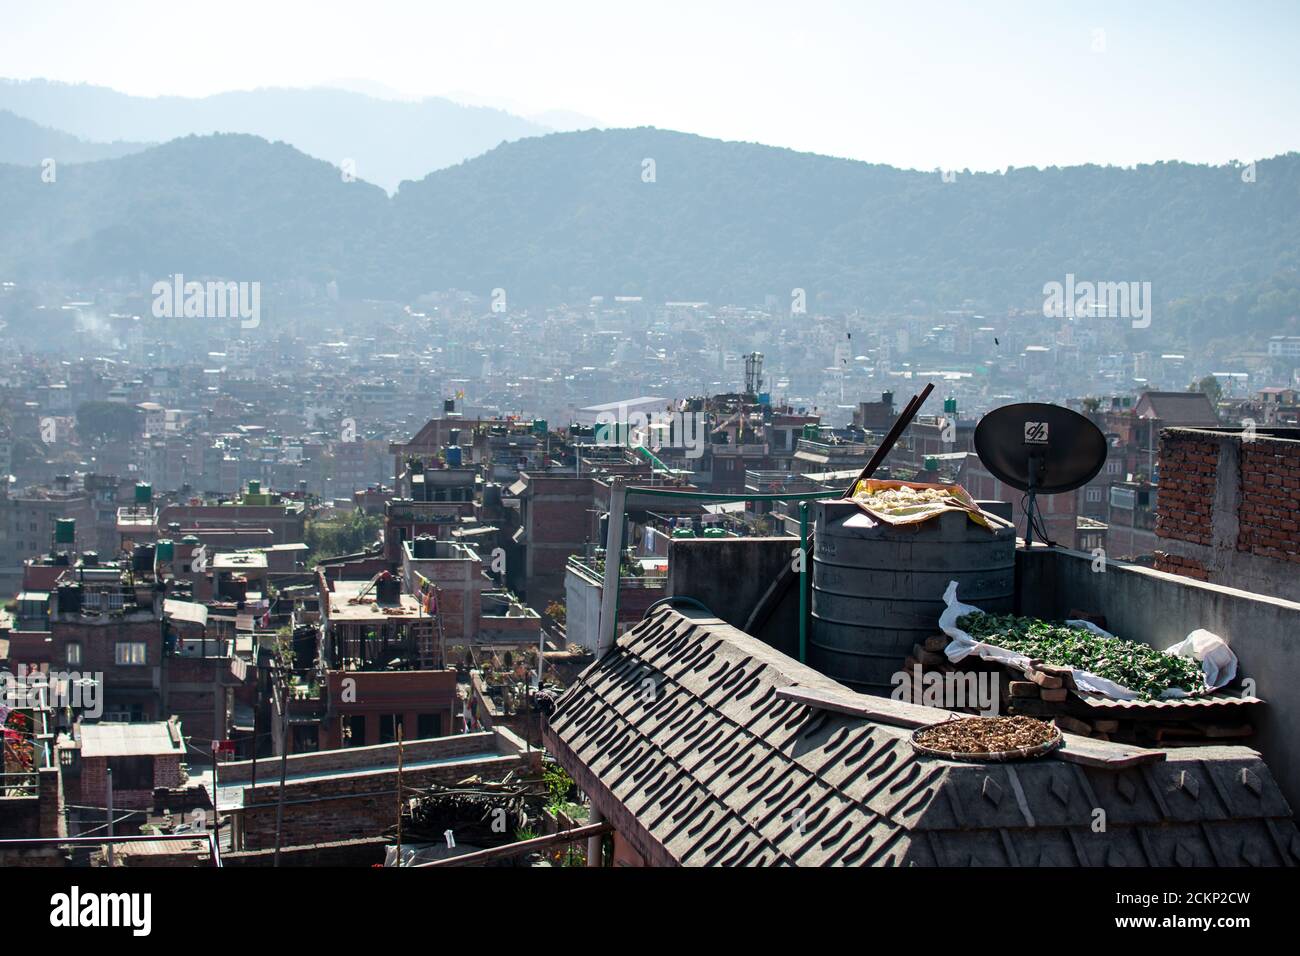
{"points": [[669, 216]]}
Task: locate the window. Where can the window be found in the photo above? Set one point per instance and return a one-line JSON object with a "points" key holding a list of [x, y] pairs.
{"points": [[428, 725], [130, 653], [74, 654], [388, 727], [356, 730], [131, 773], [1094, 495]]}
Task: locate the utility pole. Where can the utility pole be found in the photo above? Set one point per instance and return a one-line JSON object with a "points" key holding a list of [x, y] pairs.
{"points": [[399, 794], [253, 783], [284, 759], [607, 632], [216, 789], [110, 816]]}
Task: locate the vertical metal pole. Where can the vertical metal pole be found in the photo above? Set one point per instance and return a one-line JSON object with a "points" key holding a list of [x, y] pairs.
{"points": [[399, 794], [110, 816], [608, 630], [284, 763], [803, 582], [253, 784], [216, 789], [541, 656], [594, 842]]}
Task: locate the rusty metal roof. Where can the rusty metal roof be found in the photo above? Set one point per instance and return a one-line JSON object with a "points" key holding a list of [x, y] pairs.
{"points": [[1217, 702], [681, 739]]}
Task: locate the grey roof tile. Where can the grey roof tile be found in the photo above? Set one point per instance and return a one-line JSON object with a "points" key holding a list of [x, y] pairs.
{"points": [[680, 725]]}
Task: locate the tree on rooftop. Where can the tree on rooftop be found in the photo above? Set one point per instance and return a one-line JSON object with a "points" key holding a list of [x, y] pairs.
{"points": [[1210, 387]]}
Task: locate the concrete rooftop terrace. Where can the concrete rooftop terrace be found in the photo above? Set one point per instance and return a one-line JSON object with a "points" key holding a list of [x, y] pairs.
{"points": [[342, 608]]}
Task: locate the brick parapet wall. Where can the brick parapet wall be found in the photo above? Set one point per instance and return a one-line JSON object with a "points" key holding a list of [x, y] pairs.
{"points": [[351, 807], [1188, 475], [1229, 508], [1270, 500]]}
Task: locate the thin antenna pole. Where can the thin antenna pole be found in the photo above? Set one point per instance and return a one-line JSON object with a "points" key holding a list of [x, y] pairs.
{"points": [[284, 761], [399, 794], [110, 816]]}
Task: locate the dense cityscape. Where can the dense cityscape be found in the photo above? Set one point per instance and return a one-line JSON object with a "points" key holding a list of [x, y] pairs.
{"points": [[612, 518]]}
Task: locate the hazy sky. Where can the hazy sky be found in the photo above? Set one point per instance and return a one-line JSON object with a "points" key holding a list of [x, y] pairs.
{"points": [[924, 85]]}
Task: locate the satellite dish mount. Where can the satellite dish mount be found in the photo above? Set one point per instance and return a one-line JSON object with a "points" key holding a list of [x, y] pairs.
{"points": [[1040, 450]]}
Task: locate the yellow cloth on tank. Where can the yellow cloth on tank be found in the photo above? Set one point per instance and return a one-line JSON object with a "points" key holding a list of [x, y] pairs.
{"points": [[911, 502]]}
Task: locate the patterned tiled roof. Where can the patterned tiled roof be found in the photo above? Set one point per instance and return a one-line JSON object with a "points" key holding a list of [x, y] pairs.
{"points": [[681, 739]]}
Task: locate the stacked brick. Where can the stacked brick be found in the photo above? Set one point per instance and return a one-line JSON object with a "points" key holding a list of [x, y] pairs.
{"points": [[1188, 467], [1048, 692], [1269, 518], [1179, 564]]}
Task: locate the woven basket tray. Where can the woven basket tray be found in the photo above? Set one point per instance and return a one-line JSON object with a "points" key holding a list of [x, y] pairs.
{"points": [[1019, 753]]}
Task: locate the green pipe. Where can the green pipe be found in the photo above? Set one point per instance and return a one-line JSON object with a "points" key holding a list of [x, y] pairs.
{"points": [[645, 452], [803, 581], [723, 499]]}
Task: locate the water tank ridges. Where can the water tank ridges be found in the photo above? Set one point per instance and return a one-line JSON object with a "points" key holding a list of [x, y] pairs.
{"points": [[388, 591], [878, 590]]}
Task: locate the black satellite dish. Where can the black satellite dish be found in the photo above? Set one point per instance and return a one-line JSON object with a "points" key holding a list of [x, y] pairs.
{"points": [[1041, 450]]}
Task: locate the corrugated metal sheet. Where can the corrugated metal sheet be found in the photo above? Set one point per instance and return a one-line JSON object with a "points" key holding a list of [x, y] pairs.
{"points": [[186, 611], [127, 740], [1217, 702]]}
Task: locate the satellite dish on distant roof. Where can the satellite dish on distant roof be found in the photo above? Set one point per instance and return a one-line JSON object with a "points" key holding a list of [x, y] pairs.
{"points": [[1039, 449]]}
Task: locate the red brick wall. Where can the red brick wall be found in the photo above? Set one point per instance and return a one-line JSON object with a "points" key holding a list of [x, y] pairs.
{"points": [[1188, 469], [409, 693], [1177, 564], [562, 515], [1270, 499], [632, 602], [94, 783], [195, 691], [362, 806]]}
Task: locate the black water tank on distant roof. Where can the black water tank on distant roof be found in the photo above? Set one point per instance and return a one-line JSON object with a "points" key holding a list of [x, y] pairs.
{"points": [[69, 598], [388, 591]]}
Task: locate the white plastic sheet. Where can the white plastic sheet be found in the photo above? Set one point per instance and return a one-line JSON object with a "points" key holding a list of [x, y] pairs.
{"points": [[1218, 662]]}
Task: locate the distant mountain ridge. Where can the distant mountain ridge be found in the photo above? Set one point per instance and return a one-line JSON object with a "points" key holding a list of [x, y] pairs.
{"points": [[673, 216], [386, 140], [25, 143]]}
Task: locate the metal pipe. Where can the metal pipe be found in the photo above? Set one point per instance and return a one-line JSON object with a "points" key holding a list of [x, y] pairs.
{"points": [[710, 496], [803, 582], [284, 761], [505, 852], [891, 437], [608, 631], [594, 854], [109, 773]]}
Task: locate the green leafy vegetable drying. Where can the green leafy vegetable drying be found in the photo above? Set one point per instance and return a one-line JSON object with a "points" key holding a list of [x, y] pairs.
{"points": [[1143, 670]]}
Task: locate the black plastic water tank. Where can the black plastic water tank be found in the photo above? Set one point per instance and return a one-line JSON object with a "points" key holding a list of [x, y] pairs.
{"points": [[877, 589]]}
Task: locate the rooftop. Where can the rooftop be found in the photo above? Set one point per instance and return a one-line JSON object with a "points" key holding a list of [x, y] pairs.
{"points": [[704, 746], [130, 740], [345, 604]]}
